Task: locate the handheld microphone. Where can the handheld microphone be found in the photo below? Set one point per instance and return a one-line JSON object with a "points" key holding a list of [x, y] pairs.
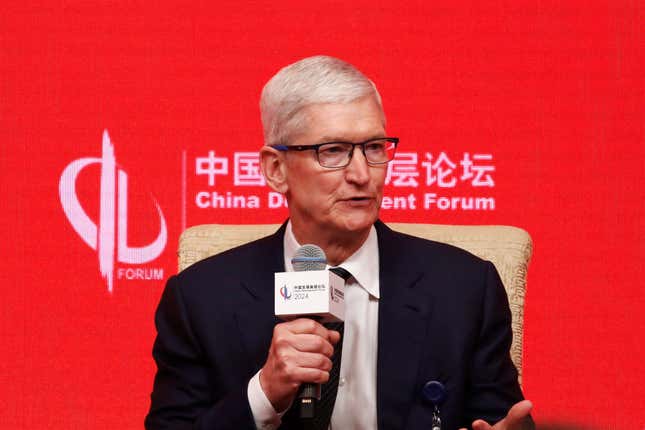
{"points": [[309, 258], [312, 292]]}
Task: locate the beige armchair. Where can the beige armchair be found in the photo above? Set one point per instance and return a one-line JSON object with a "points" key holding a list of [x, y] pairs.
{"points": [[508, 248]]}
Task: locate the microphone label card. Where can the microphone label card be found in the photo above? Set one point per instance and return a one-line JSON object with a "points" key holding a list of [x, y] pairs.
{"points": [[316, 293]]}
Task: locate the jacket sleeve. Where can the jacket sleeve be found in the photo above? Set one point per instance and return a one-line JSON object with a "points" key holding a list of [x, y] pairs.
{"points": [[183, 396], [493, 377]]}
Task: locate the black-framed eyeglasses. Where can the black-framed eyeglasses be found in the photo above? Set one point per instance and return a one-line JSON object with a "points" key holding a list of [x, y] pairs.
{"points": [[334, 155]]}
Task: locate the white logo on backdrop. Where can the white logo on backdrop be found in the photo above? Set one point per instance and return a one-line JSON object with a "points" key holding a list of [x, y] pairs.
{"points": [[113, 215]]}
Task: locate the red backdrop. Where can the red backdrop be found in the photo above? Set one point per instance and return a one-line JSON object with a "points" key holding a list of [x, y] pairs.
{"points": [[531, 111]]}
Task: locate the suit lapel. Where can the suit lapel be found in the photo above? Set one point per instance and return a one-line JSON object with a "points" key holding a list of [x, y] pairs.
{"points": [[403, 312], [255, 318]]}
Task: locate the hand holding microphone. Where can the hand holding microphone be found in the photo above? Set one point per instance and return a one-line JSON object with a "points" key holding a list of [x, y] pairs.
{"points": [[300, 353], [301, 348]]}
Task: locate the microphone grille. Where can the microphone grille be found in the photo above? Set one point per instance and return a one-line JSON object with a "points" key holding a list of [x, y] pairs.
{"points": [[309, 257]]}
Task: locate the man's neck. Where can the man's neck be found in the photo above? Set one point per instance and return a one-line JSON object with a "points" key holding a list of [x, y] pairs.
{"points": [[337, 248]]}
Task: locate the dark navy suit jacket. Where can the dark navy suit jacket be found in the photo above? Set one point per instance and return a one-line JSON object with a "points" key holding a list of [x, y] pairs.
{"points": [[443, 315]]}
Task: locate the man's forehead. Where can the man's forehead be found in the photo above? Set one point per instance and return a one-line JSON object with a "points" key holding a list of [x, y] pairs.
{"points": [[312, 136], [331, 119]]}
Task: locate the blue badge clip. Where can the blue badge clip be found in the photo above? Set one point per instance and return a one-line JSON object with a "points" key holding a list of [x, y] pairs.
{"points": [[434, 392]]}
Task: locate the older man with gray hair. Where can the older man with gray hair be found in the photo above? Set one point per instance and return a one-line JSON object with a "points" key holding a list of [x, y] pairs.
{"points": [[417, 312]]}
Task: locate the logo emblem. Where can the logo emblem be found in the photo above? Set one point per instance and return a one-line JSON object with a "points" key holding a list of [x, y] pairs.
{"points": [[284, 292], [109, 238]]}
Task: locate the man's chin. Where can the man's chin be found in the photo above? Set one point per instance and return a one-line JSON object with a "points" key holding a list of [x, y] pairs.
{"points": [[359, 224]]}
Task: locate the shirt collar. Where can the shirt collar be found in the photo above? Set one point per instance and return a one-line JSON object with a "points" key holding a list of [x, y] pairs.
{"points": [[363, 264]]}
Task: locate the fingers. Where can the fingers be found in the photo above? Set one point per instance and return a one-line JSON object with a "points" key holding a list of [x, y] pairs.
{"points": [[300, 352], [518, 412], [481, 425], [513, 420], [311, 343], [309, 326], [314, 361], [294, 369], [334, 336], [312, 375], [306, 336], [294, 360]]}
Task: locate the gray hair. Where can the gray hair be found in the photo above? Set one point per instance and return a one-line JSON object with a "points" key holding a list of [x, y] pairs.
{"points": [[312, 80]]}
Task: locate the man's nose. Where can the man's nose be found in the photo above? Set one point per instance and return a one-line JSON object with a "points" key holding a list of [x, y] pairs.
{"points": [[358, 170]]}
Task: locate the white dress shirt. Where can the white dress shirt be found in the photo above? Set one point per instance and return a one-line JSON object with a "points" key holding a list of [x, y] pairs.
{"points": [[355, 406]]}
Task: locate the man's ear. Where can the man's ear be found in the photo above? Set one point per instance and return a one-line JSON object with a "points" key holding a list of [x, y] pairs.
{"points": [[274, 169]]}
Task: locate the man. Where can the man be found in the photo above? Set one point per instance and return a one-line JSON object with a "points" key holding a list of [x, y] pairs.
{"points": [[416, 311]]}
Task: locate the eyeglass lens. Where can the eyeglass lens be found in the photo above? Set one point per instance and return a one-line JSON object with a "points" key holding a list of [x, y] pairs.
{"points": [[338, 154]]}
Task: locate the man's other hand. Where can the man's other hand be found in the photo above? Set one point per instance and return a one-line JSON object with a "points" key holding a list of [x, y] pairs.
{"points": [[300, 352], [514, 420]]}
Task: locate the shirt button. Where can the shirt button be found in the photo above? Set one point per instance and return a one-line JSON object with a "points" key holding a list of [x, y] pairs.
{"points": [[342, 381]]}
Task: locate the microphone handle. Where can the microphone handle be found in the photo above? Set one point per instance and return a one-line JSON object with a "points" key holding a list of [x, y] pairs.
{"points": [[308, 396]]}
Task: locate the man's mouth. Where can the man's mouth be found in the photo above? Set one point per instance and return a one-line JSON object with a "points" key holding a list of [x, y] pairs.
{"points": [[359, 201]]}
